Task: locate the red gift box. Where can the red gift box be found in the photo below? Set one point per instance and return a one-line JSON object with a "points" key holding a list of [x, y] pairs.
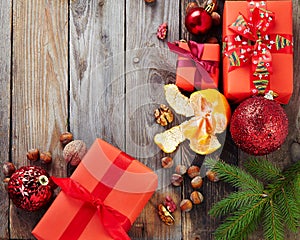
{"points": [[258, 49], [102, 198], [197, 65]]}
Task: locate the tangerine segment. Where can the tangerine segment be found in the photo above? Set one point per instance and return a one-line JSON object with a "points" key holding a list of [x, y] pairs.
{"points": [[220, 107], [211, 115], [180, 103], [169, 139]]}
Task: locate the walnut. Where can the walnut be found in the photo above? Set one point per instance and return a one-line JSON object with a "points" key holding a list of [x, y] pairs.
{"points": [[74, 152], [163, 115]]}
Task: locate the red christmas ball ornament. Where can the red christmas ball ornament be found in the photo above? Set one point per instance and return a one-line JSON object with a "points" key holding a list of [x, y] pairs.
{"points": [[30, 188], [198, 20], [259, 126]]}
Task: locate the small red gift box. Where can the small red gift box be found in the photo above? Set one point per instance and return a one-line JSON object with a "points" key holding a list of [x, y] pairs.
{"points": [[197, 65], [258, 49], [102, 198]]}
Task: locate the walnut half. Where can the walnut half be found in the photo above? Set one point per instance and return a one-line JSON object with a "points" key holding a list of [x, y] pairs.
{"points": [[163, 115]]}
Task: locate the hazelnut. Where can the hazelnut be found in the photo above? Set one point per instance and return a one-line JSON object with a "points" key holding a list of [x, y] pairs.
{"points": [[193, 171], [8, 169], [65, 138], [33, 155], [196, 197], [74, 152], [197, 182], [176, 180], [149, 1], [186, 205], [166, 162], [46, 157], [5, 181], [212, 176], [216, 18], [180, 169]]}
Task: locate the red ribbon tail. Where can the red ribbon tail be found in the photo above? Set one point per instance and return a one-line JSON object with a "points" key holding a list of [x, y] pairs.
{"points": [[109, 219], [109, 216]]}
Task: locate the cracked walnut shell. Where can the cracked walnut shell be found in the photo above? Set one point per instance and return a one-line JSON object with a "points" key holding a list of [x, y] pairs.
{"points": [[163, 115]]}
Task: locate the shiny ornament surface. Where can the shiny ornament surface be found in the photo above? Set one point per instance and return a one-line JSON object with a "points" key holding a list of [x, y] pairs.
{"points": [[30, 188], [198, 21], [259, 126]]}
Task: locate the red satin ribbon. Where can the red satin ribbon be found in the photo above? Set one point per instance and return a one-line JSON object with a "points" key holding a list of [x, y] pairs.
{"points": [[194, 59], [111, 218], [241, 51]]}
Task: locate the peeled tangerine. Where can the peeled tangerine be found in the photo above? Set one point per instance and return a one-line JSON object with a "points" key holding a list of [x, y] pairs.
{"points": [[209, 112]]}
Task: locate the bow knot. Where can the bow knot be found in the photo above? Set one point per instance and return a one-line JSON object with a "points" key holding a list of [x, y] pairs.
{"points": [[111, 218], [97, 203], [194, 59]]}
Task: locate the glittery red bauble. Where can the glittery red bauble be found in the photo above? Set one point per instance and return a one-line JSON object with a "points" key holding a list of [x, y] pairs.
{"points": [[198, 21], [259, 126], [30, 188]]}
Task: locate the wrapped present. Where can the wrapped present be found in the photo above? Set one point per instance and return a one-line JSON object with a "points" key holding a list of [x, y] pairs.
{"points": [[257, 49], [101, 199], [197, 65]]}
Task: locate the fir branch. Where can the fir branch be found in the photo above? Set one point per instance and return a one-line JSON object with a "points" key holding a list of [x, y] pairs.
{"points": [[292, 171], [290, 211], [273, 227], [278, 204], [242, 222], [262, 169], [233, 202], [234, 175]]}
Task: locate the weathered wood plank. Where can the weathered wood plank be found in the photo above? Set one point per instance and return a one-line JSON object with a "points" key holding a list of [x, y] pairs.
{"points": [[96, 71], [5, 84], [150, 65], [39, 95]]}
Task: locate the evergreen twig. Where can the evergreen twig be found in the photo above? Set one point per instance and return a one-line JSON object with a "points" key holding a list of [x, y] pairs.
{"points": [[277, 203], [236, 176], [262, 169]]}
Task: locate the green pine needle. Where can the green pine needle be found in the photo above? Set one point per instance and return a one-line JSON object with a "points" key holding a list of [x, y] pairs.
{"points": [[234, 175], [262, 169], [290, 210], [273, 227], [241, 223], [277, 204], [233, 202]]}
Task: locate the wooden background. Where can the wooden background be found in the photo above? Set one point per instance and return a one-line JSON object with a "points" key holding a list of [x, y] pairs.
{"points": [[96, 68]]}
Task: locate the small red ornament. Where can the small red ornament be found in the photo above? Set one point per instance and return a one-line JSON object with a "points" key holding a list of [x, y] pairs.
{"points": [[30, 188], [198, 20], [259, 126]]}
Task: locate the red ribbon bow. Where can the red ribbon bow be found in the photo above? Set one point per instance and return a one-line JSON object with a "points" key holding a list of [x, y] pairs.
{"points": [[253, 43], [203, 67], [110, 217]]}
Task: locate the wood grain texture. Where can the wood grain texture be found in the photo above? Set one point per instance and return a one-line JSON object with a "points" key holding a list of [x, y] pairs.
{"points": [[39, 95], [5, 84], [96, 71], [149, 65]]}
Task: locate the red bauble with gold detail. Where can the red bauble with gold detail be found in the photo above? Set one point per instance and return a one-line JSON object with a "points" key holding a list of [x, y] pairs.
{"points": [[198, 21], [259, 126], [30, 188]]}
